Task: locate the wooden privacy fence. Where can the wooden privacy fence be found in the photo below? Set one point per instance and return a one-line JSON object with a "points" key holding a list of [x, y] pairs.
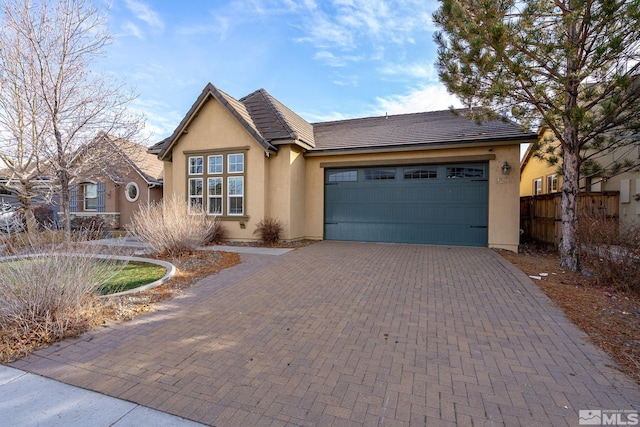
{"points": [[541, 216]]}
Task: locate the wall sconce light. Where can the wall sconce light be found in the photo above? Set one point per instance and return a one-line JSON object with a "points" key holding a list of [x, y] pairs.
{"points": [[505, 168]]}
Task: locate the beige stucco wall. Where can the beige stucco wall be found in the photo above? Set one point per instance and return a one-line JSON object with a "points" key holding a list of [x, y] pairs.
{"points": [[215, 128], [503, 230]]}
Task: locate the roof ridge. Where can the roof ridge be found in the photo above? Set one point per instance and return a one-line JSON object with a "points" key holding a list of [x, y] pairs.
{"points": [[271, 101]]}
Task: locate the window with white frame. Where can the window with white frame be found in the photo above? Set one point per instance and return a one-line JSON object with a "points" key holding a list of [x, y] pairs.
{"points": [[537, 186], [214, 196], [90, 197], [220, 189], [195, 195], [236, 195], [195, 165], [552, 183], [215, 164]]}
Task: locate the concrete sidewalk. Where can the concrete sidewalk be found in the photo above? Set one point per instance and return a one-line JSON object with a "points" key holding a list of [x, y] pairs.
{"points": [[31, 400]]}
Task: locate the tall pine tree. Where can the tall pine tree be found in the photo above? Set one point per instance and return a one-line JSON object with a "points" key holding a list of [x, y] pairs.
{"points": [[568, 66]]}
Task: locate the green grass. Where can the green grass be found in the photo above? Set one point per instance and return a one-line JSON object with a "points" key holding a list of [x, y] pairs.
{"points": [[134, 275]]}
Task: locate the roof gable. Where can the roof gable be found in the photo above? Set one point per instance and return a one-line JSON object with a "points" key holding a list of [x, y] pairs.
{"points": [[276, 121], [235, 107]]}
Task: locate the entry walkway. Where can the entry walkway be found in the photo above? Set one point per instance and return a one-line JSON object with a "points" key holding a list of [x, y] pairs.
{"points": [[351, 334]]}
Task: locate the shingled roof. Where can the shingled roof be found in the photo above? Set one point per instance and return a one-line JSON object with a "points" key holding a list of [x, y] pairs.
{"points": [[271, 123], [277, 123], [418, 129]]}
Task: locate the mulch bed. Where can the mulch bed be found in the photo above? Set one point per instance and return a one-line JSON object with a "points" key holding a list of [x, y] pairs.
{"points": [[610, 318]]}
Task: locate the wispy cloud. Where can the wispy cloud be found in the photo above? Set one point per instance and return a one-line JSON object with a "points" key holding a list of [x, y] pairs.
{"points": [[419, 70], [131, 29], [424, 98], [145, 13]]}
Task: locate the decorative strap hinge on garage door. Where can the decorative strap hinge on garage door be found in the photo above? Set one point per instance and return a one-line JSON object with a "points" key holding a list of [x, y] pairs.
{"points": [[478, 226]]}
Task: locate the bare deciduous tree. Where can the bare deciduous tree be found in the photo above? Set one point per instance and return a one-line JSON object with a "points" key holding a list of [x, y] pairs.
{"points": [[70, 102]]}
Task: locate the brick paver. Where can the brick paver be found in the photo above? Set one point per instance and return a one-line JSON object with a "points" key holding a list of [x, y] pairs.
{"points": [[352, 334]]}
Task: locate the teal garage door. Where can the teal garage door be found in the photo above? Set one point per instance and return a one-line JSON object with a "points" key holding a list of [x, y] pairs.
{"points": [[432, 204]]}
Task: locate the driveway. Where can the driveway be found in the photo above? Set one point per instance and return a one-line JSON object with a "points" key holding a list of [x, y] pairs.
{"points": [[343, 333]]}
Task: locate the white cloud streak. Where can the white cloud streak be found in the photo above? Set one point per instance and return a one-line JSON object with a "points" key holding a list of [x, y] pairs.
{"points": [[144, 13]]}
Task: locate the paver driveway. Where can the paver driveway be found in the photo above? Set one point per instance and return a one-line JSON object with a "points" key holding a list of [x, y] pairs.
{"points": [[347, 334]]}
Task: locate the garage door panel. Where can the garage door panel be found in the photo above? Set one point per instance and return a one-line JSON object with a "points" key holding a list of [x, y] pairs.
{"points": [[438, 210]]}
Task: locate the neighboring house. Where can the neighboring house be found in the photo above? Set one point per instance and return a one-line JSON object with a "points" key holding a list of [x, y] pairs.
{"points": [[538, 177], [127, 177], [435, 177]]}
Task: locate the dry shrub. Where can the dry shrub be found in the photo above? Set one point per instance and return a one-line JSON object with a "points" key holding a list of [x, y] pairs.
{"points": [[217, 233], [611, 253], [270, 230], [170, 228], [49, 292]]}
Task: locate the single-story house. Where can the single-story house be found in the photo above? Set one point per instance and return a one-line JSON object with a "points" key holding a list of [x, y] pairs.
{"points": [[539, 177], [115, 178], [434, 178]]}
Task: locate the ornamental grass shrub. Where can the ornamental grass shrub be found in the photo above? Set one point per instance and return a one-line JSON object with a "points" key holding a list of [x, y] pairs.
{"points": [[49, 292], [171, 228], [269, 230]]}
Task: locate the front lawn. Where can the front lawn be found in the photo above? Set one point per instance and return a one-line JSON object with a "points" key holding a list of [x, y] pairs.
{"points": [[133, 275]]}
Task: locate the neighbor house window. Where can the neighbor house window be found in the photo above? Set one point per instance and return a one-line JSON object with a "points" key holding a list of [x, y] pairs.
{"points": [[552, 183], [132, 192], [90, 197], [537, 186], [220, 190]]}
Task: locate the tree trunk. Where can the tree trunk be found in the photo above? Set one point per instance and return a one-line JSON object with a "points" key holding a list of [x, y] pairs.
{"points": [[569, 254], [24, 197]]}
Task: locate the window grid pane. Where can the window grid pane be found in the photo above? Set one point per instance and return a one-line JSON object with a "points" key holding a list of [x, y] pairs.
{"points": [[420, 173], [235, 191], [343, 176], [215, 196], [215, 164], [379, 174], [195, 165], [195, 195], [235, 163]]}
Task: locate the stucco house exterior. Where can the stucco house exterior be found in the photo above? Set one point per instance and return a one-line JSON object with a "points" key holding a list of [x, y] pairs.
{"points": [[435, 178], [129, 177], [538, 177]]}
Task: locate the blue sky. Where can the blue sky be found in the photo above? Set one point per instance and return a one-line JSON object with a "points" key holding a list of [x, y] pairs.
{"points": [[324, 59]]}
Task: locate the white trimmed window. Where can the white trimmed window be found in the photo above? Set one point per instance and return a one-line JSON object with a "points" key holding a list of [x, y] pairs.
{"points": [[214, 195], [90, 197], [216, 183], [195, 195], [236, 195], [215, 164], [195, 165], [537, 186], [132, 191], [552, 183], [236, 163]]}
